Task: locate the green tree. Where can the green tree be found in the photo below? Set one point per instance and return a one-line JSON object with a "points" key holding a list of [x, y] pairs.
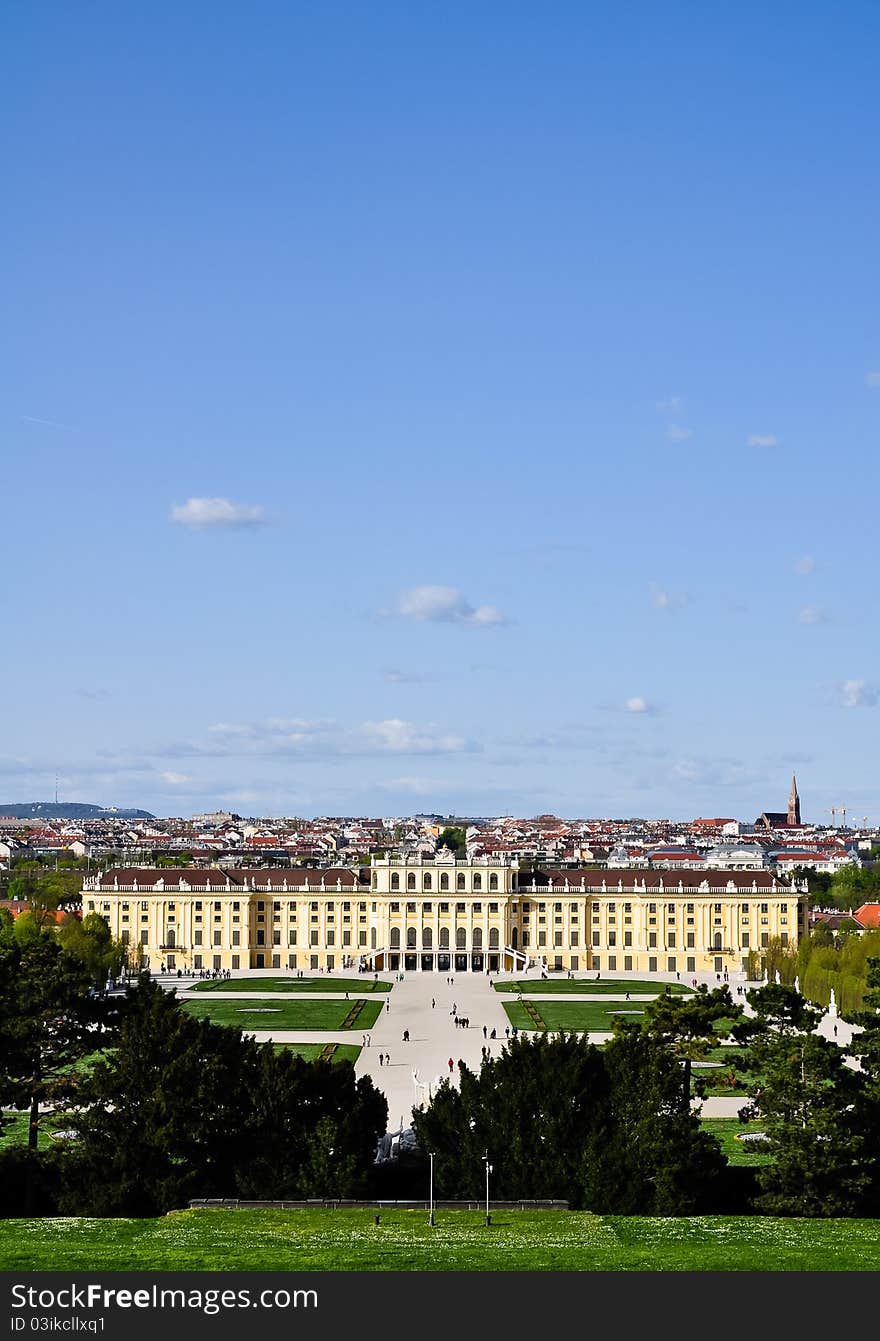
{"points": [[49, 1022], [312, 1129], [163, 1113], [558, 1117], [809, 1103], [686, 1024], [455, 838]]}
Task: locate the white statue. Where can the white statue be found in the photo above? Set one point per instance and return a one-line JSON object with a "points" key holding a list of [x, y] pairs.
{"points": [[797, 984], [832, 1004], [778, 979]]}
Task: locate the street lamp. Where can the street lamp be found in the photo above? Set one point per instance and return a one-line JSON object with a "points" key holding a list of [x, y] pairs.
{"points": [[431, 1189], [488, 1171]]}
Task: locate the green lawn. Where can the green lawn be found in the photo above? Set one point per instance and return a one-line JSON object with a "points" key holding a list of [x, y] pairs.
{"points": [[263, 1015], [15, 1129], [737, 1152], [347, 1240], [550, 986], [341, 1052], [359, 986], [596, 1016]]}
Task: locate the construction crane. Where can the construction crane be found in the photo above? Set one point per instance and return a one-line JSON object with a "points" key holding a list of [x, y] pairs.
{"points": [[838, 810]]}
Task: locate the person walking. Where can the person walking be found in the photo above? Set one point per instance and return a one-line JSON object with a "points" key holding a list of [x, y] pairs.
{"points": [[433, 1003], [450, 1066], [485, 1031], [387, 1005], [387, 1058], [380, 1059]]}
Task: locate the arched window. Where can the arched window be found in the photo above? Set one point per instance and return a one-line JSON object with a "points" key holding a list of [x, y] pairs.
{"points": [[395, 938], [513, 936], [477, 938], [395, 881], [493, 938], [493, 881], [444, 881], [478, 882], [525, 939], [427, 938], [426, 882], [411, 881], [410, 938], [717, 940], [169, 939], [444, 938], [459, 882], [460, 938], [372, 938], [375, 880]]}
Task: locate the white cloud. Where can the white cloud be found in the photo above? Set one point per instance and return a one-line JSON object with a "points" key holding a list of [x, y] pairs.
{"points": [[284, 737], [858, 694], [678, 432], [669, 405], [394, 736], [175, 779], [762, 440], [446, 605], [872, 379], [804, 565], [202, 513], [637, 704], [812, 614], [663, 599]]}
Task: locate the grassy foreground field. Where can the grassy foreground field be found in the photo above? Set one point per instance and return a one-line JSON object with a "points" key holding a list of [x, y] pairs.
{"points": [[589, 986], [360, 986], [341, 1052], [251, 1015], [347, 1240]]}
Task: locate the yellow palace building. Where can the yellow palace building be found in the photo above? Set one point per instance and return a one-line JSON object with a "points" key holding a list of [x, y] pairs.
{"points": [[442, 914]]}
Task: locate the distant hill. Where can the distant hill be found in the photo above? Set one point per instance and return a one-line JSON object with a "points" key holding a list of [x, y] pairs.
{"points": [[54, 810]]}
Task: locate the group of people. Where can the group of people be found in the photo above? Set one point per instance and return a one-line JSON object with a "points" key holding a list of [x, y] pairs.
{"points": [[461, 1021], [385, 1058]]}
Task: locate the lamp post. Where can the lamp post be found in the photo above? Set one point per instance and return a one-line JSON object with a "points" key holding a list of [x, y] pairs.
{"points": [[431, 1189], [488, 1171]]}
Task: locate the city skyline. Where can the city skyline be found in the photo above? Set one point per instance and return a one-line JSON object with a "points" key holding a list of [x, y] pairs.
{"points": [[419, 414]]}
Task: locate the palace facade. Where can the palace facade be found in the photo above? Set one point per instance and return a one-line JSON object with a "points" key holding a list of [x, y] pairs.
{"points": [[441, 914]]}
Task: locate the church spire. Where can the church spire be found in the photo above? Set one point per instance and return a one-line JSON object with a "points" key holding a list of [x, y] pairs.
{"points": [[794, 803]]}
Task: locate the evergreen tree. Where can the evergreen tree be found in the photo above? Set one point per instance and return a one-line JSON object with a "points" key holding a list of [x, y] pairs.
{"points": [[686, 1024], [811, 1106]]}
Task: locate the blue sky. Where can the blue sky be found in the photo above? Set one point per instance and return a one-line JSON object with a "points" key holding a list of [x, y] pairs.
{"points": [[464, 408]]}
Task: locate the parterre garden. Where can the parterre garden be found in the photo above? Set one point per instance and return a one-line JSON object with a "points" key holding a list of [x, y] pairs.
{"points": [[254, 1014], [361, 986]]}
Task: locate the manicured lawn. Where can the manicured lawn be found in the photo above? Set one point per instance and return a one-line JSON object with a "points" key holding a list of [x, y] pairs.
{"points": [[347, 1240], [737, 1152], [359, 986], [550, 986], [571, 1015], [339, 1052], [253, 1015]]}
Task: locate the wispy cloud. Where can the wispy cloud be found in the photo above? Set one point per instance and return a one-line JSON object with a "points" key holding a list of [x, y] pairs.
{"points": [[662, 599], [669, 405], [678, 432], [175, 779], [404, 677], [204, 513], [804, 565], [813, 614], [48, 423], [98, 695], [762, 440], [872, 379], [445, 605], [296, 737], [637, 704], [858, 694]]}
